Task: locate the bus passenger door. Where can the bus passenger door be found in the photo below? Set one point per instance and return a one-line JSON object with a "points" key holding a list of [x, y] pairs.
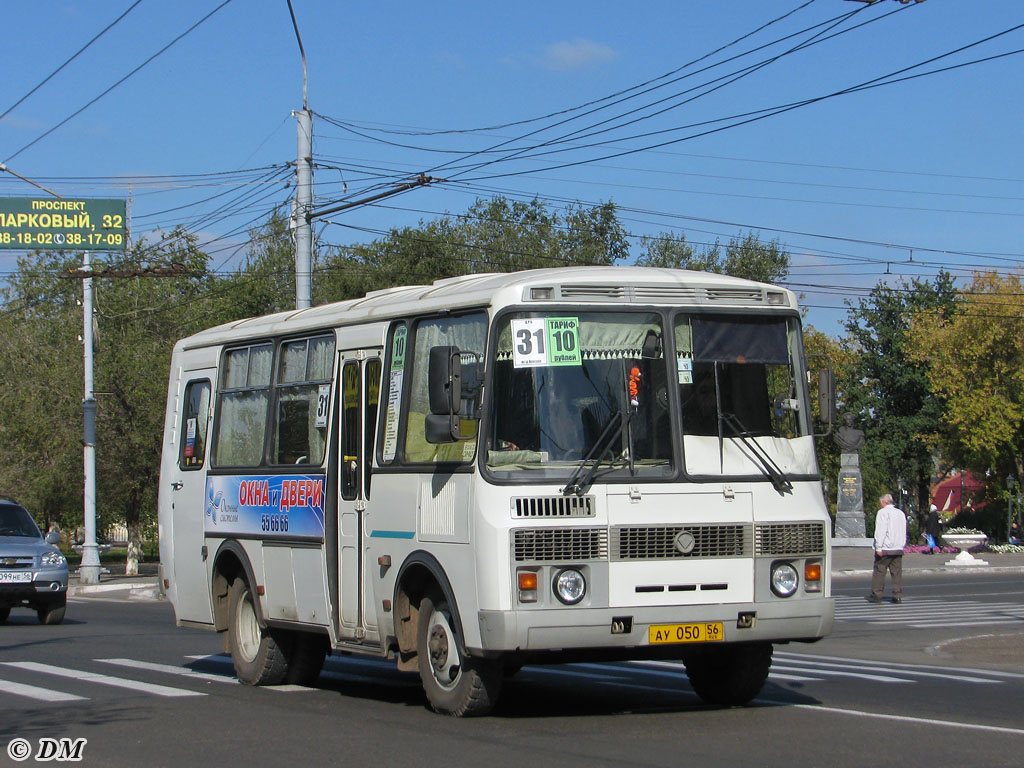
{"points": [[188, 495], [359, 388]]}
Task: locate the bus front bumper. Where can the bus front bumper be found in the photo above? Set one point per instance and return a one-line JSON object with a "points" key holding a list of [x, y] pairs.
{"points": [[559, 629]]}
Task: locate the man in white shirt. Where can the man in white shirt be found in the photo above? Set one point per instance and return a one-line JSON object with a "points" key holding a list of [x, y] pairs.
{"points": [[890, 539]]}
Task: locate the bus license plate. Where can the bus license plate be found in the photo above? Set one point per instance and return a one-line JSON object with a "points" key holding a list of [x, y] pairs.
{"points": [[15, 577], [707, 632]]}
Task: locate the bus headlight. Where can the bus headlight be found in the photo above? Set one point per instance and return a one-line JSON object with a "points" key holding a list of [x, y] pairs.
{"points": [[784, 579], [570, 586]]}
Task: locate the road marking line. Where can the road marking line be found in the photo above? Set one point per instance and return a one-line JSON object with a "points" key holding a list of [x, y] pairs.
{"points": [[169, 669], [837, 673], [42, 694], [897, 718], [793, 678], [91, 677], [877, 667], [846, 659]]}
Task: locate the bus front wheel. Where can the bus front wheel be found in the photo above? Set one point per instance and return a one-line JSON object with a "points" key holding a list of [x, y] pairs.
{"points": [[455, 684], [729, 675], [258, 656]]}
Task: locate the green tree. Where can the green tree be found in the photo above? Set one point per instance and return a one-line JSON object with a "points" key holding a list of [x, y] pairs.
{"points": [[495, 235], [40, 401], [974, 360], [139, 319], [747, 257], [265, 283], [824, 352], [888, 387]]}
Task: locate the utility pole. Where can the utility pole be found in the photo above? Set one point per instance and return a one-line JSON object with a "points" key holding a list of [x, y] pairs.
{"points": [[303, 189], [89, 572], [303, 204]]}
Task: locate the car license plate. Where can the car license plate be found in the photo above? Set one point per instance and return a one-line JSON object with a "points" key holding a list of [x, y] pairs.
{"points": [[706, 632], [15, 577]]}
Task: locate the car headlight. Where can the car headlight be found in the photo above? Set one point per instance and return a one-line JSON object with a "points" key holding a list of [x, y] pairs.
{"points": [[570, 586], [784, 579], [52, 559]]}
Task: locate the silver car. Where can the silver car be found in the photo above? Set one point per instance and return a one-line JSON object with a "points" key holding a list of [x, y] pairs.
{"points": [[33, 572]]}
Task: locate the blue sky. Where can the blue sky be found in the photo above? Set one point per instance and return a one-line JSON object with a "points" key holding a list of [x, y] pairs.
{"points": [[883, 183]]}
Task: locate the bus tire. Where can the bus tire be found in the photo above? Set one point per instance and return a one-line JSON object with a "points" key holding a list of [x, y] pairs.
{"points": [[455, 684], [306, 659], [729, 675], [257, 654]]}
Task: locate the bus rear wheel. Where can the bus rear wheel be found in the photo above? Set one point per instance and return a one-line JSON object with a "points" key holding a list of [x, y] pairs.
{"points": [[258, 655], [455, 684], [729, 675]]}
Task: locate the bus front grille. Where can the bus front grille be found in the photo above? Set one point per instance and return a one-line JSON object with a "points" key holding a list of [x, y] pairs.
{"points": [[560, 544], [673, 542], [789, 539], [553, 506]]}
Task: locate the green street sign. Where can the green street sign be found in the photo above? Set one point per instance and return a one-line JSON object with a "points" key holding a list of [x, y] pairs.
{"points": [[64, 224]]}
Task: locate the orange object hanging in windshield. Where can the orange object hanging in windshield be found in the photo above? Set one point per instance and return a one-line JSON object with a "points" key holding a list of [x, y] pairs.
{"points": [[634, 386]]}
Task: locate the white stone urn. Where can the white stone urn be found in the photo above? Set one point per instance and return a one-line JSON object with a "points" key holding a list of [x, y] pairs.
{"points": [[963, 542]]}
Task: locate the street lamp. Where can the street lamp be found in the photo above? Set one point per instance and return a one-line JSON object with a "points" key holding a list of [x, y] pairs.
{"points": [[1010, 482]]}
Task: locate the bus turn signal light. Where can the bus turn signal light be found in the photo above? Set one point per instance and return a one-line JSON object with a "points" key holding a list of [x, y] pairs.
{"points": [[527, 586], [812, 576]]}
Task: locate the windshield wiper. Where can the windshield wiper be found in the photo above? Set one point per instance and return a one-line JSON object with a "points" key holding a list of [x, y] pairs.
{"points": [[615, 428], [771, 470]]}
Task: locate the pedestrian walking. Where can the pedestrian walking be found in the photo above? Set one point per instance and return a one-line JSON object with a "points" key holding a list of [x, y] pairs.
{"points": [[890, 539], [933, 530]]}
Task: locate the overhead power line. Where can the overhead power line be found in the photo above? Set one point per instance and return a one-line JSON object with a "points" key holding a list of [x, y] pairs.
{"points": [[88, 104], [74, 56]]}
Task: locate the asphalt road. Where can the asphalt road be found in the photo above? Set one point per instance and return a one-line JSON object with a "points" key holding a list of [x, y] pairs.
{"points": [[913, 683]]}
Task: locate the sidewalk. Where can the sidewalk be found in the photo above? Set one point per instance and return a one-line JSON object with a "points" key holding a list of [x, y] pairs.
{"points": [[857, 561], [145, 586]]}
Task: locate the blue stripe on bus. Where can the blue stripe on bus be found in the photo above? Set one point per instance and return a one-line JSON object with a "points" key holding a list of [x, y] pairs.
{"points": [[392, 534]]}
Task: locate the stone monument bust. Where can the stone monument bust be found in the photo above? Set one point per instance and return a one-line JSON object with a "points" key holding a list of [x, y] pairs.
{"points": [[848, 437]]}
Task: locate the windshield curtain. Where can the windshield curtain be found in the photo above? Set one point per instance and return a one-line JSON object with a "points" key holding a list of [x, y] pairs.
{"points": [[738, 377], [561, 394]]}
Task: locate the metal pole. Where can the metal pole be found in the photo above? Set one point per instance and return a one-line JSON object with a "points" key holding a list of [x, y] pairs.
{"points": [[303, 206], [89, 572]]}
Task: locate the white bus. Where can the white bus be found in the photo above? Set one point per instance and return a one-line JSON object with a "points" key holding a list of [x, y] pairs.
{"points": [[502, 469]]}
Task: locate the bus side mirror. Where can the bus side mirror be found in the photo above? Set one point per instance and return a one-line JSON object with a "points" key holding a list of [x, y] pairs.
{"points": [[444, 389]]}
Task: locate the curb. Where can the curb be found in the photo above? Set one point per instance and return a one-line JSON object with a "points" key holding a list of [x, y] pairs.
{"points": [[121, 586], [957, 569]]}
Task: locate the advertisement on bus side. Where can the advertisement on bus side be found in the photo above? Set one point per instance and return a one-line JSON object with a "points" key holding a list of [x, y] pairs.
{"points": [[265, 506]]}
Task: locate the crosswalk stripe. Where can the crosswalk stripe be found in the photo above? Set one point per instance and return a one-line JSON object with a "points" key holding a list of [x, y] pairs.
{"points": [[117, 682], [40, 694], [818, 668], [929, 613], [793, 678], [839, 673], [916, 669], [170, 669]]}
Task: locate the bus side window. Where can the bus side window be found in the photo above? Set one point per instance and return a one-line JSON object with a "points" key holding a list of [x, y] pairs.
{"points": [[373, 372], [469, 334], [350, 432], [303, 391], [244, 392], [195, 420]]}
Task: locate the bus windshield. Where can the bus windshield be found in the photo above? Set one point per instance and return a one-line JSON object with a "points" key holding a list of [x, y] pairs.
{"points": [[591, 386], [596, 389]]}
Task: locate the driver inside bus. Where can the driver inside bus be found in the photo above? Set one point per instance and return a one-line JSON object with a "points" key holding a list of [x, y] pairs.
{"points": [[700, 404]]}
